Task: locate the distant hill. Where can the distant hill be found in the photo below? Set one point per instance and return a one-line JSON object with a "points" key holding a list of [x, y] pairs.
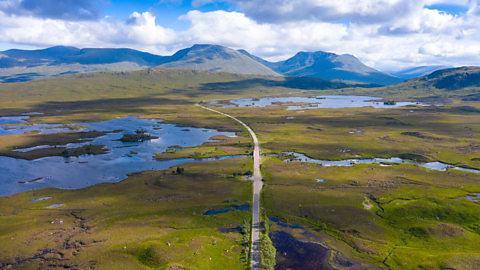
{"points": [[328, 66], [109, 56], [441, 86], [26, 65], [216, 58], [150, 87], [411, 73], [61, 55], [448, 79], [15, 58]]}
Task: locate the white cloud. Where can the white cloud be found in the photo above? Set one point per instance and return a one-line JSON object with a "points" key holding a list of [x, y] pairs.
{"points": [[408, 41], [139, 31], [385, 34]]}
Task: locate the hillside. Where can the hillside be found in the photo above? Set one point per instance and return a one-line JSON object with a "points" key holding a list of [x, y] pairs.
{"points": [[329, 66], [26, 65], [440, 86], [414, 72], [61, 55], [108, 56], [448, 79], [28, 58], [144, 86], [216, 58]]}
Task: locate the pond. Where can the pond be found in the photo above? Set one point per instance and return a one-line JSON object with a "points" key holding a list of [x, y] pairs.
{"points": [[314, 102], [244, 207], [437, 166], [474, 197], [303, 252], [296, 254], [87, 170], [13, 125]]}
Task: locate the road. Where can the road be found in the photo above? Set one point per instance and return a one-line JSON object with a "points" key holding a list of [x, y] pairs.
{"points": [[257, 187]]}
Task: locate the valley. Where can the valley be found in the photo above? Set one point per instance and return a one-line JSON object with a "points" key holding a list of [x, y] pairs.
{"points": [[153, 208]]}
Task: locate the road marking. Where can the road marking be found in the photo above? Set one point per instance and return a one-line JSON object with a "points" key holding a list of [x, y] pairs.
{"points": [[257, 187]]}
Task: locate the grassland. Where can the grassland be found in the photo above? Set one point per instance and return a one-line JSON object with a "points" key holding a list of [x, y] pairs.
{"points": [[31, 139], [398, 217], [152, 219], [223, 146], [448, 134]]}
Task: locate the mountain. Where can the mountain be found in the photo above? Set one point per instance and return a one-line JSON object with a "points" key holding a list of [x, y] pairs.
{"points": [[61, 55], [26, 65], [216, 58], [414, 72], [109, 56], [17, 58], [328, 66], [452, 79], [442, 86]]}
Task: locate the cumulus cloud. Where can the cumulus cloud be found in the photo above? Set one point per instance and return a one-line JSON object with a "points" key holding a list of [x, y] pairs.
{"points": [[386, 34], [53, 9], [139, 31], [405, 42], [365, 11]]}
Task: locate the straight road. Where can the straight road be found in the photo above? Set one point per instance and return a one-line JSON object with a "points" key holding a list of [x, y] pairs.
{"points": [[257, 187]]}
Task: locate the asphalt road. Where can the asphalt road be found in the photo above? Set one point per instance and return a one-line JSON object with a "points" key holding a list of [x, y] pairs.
{"points": [[257, 184]]}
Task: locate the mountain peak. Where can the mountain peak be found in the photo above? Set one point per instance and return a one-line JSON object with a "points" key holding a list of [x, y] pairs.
{"points": [[216, 58], [331, 66]]}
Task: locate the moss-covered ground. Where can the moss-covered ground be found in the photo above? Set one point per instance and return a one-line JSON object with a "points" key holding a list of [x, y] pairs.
{"points": [[152, 219], [397, 217]]}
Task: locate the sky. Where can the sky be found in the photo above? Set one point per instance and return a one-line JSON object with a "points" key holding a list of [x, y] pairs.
{"points": [[385, 34]]}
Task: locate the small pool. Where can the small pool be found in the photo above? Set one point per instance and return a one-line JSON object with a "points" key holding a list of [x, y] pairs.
{"points": [[40, 199], [437, 166], [474, 197], [244, 207], [57, 205]]}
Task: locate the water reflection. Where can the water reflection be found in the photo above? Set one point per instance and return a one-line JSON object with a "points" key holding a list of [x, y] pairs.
{"points": [[437, 166], [335, 102], [78, 172]]}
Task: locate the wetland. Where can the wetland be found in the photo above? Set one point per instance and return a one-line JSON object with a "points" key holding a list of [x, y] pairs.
{"points": [[112, 165]]}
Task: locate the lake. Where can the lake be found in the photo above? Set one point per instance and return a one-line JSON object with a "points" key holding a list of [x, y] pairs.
{"points": [[314, 102], [87, 170]]}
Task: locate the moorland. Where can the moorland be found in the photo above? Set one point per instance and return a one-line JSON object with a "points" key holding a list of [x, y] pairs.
{"points": [[365, 216]]}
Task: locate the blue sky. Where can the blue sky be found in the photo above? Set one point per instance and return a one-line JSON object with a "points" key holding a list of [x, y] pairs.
{"points": [[167, 12], [385, 34]]}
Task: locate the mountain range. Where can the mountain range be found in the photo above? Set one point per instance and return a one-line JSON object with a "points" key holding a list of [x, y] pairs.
{"points": [[23, 65], [415, 72], [328, 66]]}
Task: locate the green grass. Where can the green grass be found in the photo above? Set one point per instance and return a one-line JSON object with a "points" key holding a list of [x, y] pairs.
{"points": [[225, 146], [31, 139], [323, 133], [421, 213], [141, 213], [403, 216]]}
